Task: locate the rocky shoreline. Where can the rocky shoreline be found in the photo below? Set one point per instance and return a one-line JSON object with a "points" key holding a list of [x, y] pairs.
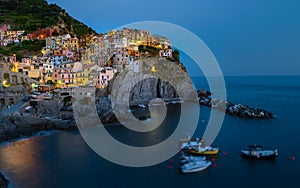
{"points": [[58, 115], [240, 110], [12, 127]]}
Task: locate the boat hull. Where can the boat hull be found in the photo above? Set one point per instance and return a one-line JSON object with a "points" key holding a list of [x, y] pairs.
{"points": [[210, 152], [188, 159], [197, 168], [247, 154]]}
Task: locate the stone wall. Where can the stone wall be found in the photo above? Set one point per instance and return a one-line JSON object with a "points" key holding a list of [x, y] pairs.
{"points": [[14, 78]]}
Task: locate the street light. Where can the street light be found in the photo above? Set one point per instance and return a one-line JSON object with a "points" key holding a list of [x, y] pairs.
{"points": [[5, 83]]}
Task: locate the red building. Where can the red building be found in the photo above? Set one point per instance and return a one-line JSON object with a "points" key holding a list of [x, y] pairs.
{"points": [[41, 34]]}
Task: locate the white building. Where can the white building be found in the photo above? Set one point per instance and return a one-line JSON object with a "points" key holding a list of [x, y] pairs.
{"points": [[165, 53]]}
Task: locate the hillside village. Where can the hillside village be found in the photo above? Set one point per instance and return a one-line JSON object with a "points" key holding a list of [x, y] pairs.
{"points": [[91, 60]]}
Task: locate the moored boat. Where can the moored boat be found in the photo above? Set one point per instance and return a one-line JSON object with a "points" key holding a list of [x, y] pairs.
{"points": [[186, 159], [194, 166], [190, 144], [257, 152], [198, 147], [207, 150]]}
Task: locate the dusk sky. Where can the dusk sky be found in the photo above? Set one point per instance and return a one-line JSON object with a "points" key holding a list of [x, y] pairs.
{"points": [[247, 37]]}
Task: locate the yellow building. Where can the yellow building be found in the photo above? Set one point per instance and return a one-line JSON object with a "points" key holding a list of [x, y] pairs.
{"points": [[71, 44], [34, 73], [83, 77], [26, 69], [88, 55]]}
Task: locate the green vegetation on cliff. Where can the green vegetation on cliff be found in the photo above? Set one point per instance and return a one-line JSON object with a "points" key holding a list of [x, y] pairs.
{"points": [[31, 15], [153, 52], [24, 49]]}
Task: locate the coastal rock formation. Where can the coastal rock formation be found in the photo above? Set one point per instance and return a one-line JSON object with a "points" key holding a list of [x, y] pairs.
{"points": [[50, 115], [154, 78], [49, 108], [144, 91], [240, 110], [7, 128], [3, 181], [18, 126]]}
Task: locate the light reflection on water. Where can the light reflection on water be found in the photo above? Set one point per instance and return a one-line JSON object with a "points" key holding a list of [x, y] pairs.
{"points": [[22, 158]]}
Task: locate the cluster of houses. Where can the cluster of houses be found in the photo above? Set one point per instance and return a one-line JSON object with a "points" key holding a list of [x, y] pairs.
{"points": [[91, 60], [8, 36]]}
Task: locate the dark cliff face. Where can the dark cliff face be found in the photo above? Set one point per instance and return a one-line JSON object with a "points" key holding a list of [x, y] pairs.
{"points": [[151, 88], [168, 81], [3, 181]]}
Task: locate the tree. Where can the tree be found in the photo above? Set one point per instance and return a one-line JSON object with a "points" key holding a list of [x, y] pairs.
{"points": [[176, 56]]}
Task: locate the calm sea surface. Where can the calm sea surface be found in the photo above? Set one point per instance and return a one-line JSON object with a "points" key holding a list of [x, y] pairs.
{"points": [[63, 159]]}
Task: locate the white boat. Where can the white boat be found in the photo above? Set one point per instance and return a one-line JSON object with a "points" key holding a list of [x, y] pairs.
{"points": [[142, 106], [190, 143], [197, 147], [257, 151], [186, 159], [195, 166]]}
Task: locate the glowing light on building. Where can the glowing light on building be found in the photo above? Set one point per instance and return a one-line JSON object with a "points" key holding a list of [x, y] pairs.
{"points": [[153, 69], [6, 84]]}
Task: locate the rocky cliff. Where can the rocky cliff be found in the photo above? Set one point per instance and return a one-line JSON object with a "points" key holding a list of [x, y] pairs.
{"points": [[153, 78], [19, 126], [3, 181]]}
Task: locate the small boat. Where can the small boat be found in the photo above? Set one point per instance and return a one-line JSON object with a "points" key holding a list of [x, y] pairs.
{"points": [[141, 106], [194, 166], [186, 159], [187, 145], [207, 150], [198, 147], [257, 151]]}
